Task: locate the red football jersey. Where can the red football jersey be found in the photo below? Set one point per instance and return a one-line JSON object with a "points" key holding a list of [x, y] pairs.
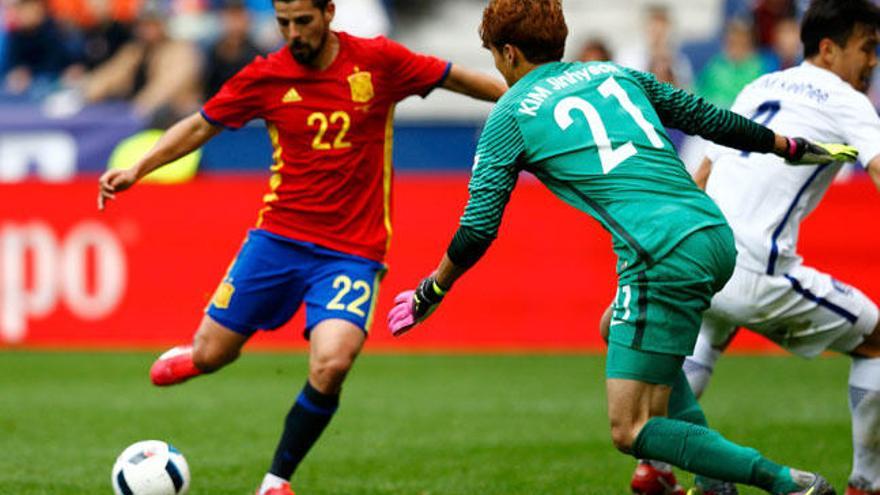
{"points": [[331, 131]]}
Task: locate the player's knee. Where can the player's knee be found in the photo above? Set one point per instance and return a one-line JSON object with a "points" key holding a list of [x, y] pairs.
{"points": [[328, 372], [623, 435]]}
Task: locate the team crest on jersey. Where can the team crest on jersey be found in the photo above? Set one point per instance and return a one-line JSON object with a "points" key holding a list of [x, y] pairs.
{"points": [[361, 84], [291, 96], [223, 295]]}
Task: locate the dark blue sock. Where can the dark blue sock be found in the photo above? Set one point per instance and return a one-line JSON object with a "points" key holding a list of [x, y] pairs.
{"points": [[305, 422]]}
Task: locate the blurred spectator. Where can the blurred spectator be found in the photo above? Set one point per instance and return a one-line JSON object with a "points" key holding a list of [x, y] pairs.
{"points": [[409, 11], [188, 6], [728, 72], [37, 49], [658, 42], [159, 74], [233, 50], [104, 26], [663, 67], [86, 14], [737, 9], [786, 50], [594, 49], [3, 35], [102, 41], [767, 14]]}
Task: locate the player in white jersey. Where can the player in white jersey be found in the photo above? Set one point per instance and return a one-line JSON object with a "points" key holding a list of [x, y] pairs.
{"points": [[771, 291]]}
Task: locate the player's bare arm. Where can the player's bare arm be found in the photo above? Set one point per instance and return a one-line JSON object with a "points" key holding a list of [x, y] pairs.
{"points": [[701, 175], [874, 171], [474, 84], [182, 138]]}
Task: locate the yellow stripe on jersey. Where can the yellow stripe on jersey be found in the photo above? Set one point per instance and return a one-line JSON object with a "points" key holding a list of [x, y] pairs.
{"points": [[275, 179], [387, 174]]}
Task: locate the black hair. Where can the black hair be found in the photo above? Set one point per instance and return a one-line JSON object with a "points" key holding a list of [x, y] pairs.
{"points": [[836, 20], [320, 4]]}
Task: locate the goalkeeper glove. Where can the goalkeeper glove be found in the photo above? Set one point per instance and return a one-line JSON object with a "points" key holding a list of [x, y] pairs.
{"points": [[413, 306], [800, 151]]}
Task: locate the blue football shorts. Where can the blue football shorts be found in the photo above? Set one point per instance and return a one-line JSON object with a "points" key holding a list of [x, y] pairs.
{"points": [[272, 276]]}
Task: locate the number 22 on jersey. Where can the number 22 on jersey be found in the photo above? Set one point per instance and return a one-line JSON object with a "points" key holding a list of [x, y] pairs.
{"points": [[609, 156], [322, 122]]}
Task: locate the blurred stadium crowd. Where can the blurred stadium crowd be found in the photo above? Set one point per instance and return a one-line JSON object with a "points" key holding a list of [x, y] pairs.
{"points": [[123, 49], [65, 54]]}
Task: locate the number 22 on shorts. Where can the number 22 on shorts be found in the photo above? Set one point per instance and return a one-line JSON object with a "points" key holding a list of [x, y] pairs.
{"points": [[361, 289]]}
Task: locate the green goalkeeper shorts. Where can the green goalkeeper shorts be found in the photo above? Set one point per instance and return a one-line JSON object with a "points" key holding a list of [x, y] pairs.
{"points": [[644, 366], [659, 309]]}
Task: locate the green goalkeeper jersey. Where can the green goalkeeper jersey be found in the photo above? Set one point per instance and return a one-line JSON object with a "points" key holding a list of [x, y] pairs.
{"points": [[593, 133]]}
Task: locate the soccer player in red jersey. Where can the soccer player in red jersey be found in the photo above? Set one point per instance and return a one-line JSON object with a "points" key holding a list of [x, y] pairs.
{"points": [[321, 236]]}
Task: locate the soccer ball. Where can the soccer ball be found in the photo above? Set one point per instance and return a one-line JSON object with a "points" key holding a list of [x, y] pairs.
{"points": [[150, 467]]}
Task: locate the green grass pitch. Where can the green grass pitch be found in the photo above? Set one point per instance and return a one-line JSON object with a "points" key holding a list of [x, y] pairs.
{"points": [[409, 424]]}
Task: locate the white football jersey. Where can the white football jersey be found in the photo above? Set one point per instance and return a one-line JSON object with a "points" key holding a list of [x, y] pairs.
{"points": [[764, 199]]}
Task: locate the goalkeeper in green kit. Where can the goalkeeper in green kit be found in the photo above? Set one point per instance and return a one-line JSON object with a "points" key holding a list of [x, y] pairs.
{"points": [[593, 133]]}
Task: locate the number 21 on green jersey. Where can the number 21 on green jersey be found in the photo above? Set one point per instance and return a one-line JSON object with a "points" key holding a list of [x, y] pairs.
{"points": [[609, 156]]}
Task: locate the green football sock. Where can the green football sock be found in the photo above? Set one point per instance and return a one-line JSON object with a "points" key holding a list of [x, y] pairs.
{"points": [[705, 452], [683, 405]]}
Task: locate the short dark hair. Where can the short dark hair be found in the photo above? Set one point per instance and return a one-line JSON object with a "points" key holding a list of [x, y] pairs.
{"points": [[320, 4], [537, 27], [836, 20]]}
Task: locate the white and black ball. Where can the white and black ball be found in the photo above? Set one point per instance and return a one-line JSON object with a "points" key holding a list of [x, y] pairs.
{"points": [[150, 467]]}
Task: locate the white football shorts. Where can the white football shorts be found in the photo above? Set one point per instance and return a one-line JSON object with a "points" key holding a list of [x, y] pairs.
{"points": [[805, 311]]}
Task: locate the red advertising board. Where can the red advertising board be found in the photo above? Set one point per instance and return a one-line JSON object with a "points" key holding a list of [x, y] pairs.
{"points": [[139, 274]]}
